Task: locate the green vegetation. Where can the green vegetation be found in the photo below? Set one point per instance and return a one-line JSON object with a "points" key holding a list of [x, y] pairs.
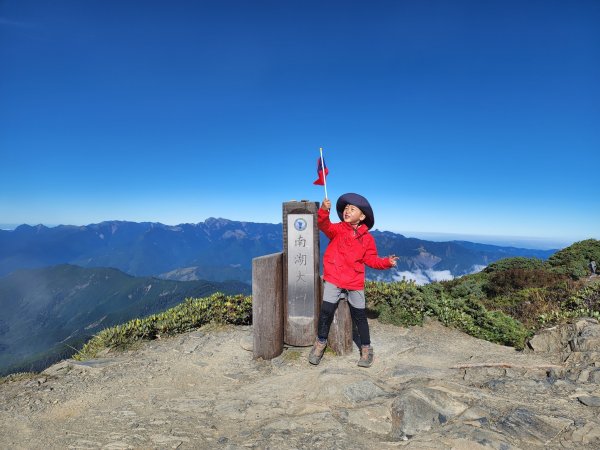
{"points": [[19, 376], [192, 313], [574, 260], [405, 303], [292, 355], [506, 303], [518, 262]]}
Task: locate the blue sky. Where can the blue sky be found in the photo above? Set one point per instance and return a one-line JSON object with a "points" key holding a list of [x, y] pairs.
{"points": [[474, 118]]}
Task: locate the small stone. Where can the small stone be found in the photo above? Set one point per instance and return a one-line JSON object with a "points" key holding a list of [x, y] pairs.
{"points": [[247, 342], [584, 376], [589, 400], [594, 376]]}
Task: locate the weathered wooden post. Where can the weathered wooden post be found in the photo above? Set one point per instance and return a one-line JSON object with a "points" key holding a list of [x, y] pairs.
{"points": [[302, 284], [340, 333], [267, 306]]}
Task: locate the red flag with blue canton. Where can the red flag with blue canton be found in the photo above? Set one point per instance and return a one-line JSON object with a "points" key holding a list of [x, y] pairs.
{"points": [[322, 174]]}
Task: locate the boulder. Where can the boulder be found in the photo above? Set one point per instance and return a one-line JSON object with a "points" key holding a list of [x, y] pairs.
{"points": [[420, 408], [551, 340], [587, 337]]}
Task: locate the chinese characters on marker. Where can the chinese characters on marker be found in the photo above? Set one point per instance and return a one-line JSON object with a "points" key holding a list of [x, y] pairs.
{"points": [[301, 258], [300, 241]]}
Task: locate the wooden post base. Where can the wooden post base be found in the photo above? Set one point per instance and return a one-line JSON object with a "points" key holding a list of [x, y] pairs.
{"points": [[340, 333], [267, 305]]}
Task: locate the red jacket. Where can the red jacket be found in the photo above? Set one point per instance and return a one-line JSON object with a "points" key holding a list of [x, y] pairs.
{"points": [[348, 252]]}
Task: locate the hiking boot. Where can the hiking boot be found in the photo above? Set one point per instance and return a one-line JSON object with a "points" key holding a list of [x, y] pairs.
{"points": [[366, 356], [316, 353]]}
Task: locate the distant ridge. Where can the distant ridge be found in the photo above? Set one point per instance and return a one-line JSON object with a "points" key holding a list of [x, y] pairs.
{"points": [[217, 249], [141, 249]]}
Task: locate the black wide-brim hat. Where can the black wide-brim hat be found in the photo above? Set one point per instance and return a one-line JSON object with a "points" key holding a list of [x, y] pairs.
{"points": [[361, 203]]}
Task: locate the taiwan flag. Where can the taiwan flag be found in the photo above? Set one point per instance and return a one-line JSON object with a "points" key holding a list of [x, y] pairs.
{"points": [[322, 172]]}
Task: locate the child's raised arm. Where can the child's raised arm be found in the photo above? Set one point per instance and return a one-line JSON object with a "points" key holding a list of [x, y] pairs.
{"points": [[324, 223]]}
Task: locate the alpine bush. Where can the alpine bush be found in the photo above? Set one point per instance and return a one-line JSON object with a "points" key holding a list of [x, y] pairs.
{"points": [[191, 314], [574, 260]]}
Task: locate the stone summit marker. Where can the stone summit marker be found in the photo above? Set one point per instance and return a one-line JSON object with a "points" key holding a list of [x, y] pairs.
{"points": [[301, 272]]}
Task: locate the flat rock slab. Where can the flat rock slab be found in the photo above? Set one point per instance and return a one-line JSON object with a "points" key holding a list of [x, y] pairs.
{"points": [[533, 428]]}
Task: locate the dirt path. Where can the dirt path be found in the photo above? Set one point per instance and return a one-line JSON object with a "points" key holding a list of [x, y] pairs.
{"points": [[203, 390]]}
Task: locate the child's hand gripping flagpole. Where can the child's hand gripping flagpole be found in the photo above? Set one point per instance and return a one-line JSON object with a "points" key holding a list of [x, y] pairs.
{"points": [[324, 171]]}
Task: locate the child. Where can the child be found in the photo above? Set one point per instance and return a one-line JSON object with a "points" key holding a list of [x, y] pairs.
{"points": [[351, 246]]}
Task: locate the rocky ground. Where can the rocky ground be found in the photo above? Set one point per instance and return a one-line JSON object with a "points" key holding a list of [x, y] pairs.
{"points": [[430, 388]]}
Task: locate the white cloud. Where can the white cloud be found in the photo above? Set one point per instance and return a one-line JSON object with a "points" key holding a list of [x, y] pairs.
{"points": [[418, 277], [439, 275], [477, 268], [423, 276]]}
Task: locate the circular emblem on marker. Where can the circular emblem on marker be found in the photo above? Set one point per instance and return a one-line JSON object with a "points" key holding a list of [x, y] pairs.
{"points": [[300, 224]]}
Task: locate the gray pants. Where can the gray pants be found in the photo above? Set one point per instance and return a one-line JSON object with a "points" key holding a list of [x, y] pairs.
{"points": [[356, 299], [332, 294]]}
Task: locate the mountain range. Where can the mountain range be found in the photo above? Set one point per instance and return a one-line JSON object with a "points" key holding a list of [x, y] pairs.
{"points": [[218, 250]]}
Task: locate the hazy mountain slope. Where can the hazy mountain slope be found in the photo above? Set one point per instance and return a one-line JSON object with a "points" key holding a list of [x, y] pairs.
{"points": [[46, 312]]}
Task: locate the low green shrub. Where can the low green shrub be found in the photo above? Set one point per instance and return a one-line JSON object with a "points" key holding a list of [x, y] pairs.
{"points": [[574, 260], [502, 282], [468, 314], [192, 313], [405, 303], [398, 303], [469, 286], [587, 296], [517, 262]]}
